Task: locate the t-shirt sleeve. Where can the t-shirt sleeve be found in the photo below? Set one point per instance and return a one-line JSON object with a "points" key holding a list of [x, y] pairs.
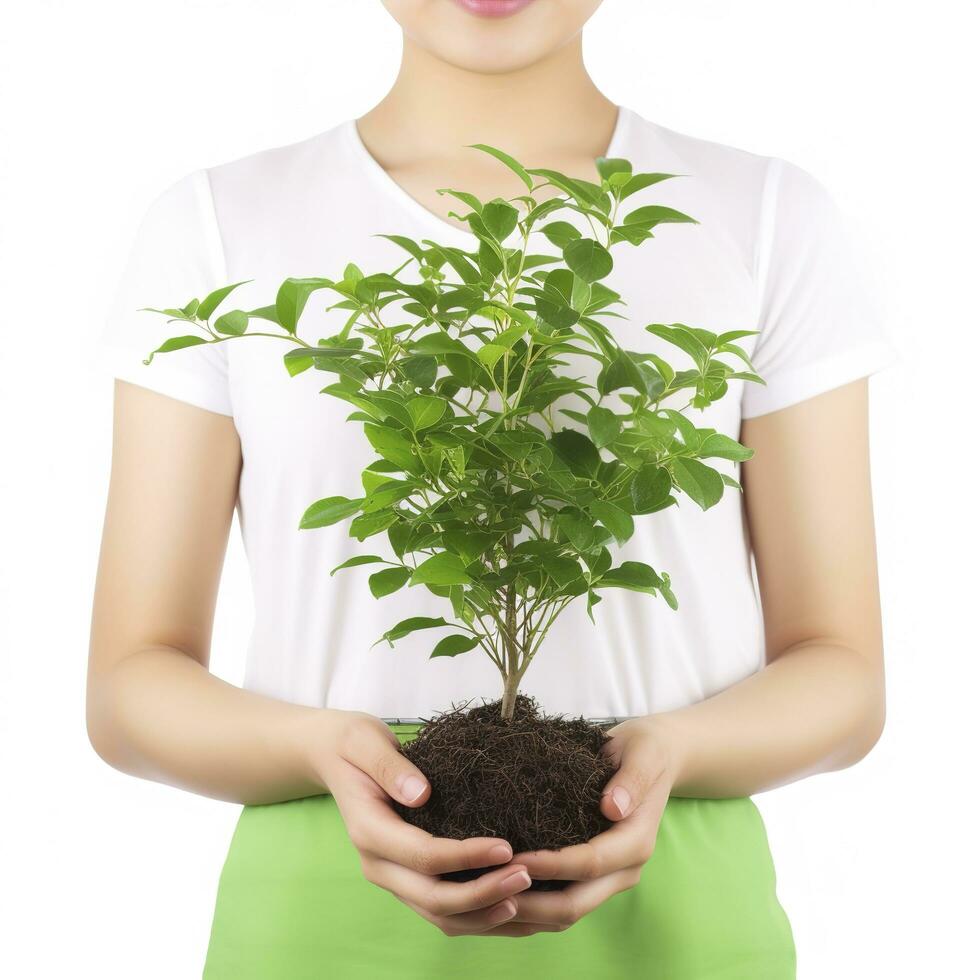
{"points": [[177, 256], [819, 325]]}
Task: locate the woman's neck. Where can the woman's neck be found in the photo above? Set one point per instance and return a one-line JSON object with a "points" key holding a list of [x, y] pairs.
{"points": [[549, 113]]}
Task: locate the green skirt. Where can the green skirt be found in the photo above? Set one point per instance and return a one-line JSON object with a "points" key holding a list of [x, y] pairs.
{"points": [[293, 905]]}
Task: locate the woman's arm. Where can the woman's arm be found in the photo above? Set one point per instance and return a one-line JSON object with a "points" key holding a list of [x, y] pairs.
{"points": [[155, 711], [819, 703]]}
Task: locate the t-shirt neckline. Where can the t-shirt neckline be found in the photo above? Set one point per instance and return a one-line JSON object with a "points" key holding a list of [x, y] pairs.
{"points": [[388, 185]]}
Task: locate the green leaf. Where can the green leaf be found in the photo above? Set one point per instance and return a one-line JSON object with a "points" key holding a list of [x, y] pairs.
{"points": [[176, 343], [747, 376], [386, 495], [468, 199], [577, 450], [729, 336], [723, 447], [388, 581], [588, 259], [441, 569], [329, 511], [666, 371], [650, 488], [469, 545], [594, 599], [420, 369], [577, 527], [681, 337], [557, 314], [210, 302], [656, 214], [615, 520], [518, 444], [499, 218], [358, 560], [604, 426], [297, 363], [584, 192], [425, 410], [599, 562], [265, 313], [640, 181], [439, 343], [700, 482], [364, 525], [232, 324], [393, 446], [561, 233], [291, 300], [621, 372], [507, 338], [560, 569], [508, 161], [607, 166], [634, 234], [463, 267], [410, 245], [454, 644], [412, 625], [634, 575], [489, 354]]}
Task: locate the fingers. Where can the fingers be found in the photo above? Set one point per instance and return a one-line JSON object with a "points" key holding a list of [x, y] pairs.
{"points": [[529, 912], [642, 757], [375, 828], [448, 898], [639, 776], [624, 845], [373, 748], [521, 930], [470, 923], [560, 910]]}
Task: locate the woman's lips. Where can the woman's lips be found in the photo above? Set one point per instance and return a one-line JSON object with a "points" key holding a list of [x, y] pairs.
{"points": [[493, 8]]}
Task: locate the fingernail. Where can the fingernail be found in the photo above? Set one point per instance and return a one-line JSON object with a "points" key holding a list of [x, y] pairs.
{"points": [[503, 912], [500, 854], [622, 800], [520, 880], [412, 788]]}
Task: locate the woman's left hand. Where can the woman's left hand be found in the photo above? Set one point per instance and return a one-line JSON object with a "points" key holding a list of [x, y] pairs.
{"points": [[634, 799]]}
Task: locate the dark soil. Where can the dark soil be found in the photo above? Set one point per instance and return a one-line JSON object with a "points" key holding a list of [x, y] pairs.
{"points": [[535, 780]]}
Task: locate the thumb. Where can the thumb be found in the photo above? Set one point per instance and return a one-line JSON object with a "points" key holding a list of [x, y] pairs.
{"points": [[375, 751], [641, 775]]}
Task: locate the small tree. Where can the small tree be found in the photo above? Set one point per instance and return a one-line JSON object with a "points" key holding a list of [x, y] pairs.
{"points": [[456, 373]]}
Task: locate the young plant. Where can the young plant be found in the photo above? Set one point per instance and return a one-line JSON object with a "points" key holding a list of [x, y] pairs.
{"points": [[464, 368]]}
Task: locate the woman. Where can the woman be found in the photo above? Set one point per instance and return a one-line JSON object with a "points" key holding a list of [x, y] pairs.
{"points": [[717, 707]]}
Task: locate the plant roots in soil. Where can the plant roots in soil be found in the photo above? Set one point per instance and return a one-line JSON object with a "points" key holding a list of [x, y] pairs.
{"points": [[534, 780]]}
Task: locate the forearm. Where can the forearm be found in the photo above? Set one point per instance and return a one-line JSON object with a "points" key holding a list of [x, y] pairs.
{"points": [[160, 715], [815, 708]]}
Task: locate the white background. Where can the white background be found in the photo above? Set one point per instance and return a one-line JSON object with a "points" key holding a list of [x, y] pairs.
{"points": [[105, 103]]}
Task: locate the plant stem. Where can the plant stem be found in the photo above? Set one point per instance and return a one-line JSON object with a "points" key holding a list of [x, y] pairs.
{"points": [[511, 682], [512, 675]]}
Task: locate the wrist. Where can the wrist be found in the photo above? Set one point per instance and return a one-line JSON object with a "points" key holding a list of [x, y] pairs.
{"points": [[315, 742], [671, 745]]}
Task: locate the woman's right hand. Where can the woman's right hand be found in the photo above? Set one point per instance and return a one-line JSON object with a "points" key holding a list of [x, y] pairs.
{"points": [[360, 764]]}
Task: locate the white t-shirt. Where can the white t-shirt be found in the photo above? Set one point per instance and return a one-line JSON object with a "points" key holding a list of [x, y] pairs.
{"points": [[770, 253]]}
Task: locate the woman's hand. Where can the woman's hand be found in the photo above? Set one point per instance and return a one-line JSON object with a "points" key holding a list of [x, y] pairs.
{"points": [[612, 861], [364, 770]]}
